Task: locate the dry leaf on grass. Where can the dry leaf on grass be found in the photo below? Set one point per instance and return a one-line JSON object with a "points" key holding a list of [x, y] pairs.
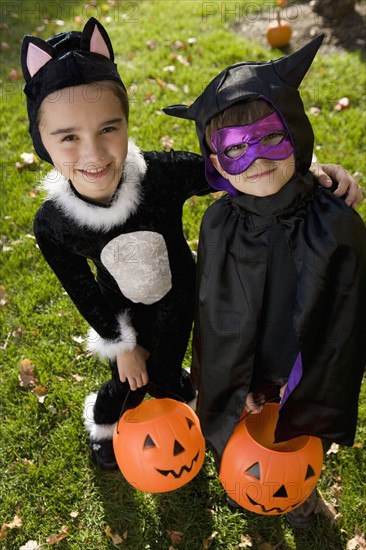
{"points": [[26, 374], [15, 524], [245, 541], [208, 542], [342, 103], [326, 508], [116, 539], [54, 539], [77, 377], [3, 297], [333, 449], [175, 536], [358, 542], [30, 545]]}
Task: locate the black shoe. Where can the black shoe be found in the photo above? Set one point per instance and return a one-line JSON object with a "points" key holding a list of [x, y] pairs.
{"points": [[303, 516], [103, 454]]}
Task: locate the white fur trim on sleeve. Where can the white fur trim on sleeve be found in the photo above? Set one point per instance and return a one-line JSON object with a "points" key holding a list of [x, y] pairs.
{"points": [[109, 349], [97, 432]]}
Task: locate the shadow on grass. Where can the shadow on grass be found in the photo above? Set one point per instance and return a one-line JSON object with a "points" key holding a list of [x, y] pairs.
{"points": [[275, 531], [147, 520]]}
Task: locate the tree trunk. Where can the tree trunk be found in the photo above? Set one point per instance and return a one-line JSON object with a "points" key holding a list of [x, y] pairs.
{"points": [[333, 9]]}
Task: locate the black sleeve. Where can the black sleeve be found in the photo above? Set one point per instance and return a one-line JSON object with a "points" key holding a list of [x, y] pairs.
{"points": [[182, 171], [76, 277]]}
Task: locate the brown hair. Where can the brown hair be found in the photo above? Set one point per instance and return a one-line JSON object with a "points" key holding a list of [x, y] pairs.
{"points": [[118, 90], [239, 114]]}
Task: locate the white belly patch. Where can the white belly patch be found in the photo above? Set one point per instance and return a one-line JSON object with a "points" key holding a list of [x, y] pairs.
{"points": [[140, 265]]}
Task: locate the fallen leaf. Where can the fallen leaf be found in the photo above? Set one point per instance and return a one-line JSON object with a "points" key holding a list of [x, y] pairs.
{"points": [[245, 541], [54, 539], [336, 491], [74, 514], [161, 82], [77, 377], [40, 391], [30, 545], [333, 449], [149, 98], [172, 87], [208, 542], [183, 61], [358, 542], [175, 536], [326, 508], [342, 103], [358, 445], [14, 74], [179, 45], [315, 111], [151, 44], [167, 142], [3, 298], [16, 523], [29, 161], [116, 539], [3, 531], [5, 47], [26, 374], [78, 339], [29, 158]]}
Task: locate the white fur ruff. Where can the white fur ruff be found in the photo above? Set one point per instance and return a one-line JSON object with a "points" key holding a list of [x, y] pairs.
{"points": [[125, 201]]}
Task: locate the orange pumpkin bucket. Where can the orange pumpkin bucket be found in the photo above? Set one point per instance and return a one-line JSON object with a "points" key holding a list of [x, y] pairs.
{"points": [[265, 477], [159, 445]]}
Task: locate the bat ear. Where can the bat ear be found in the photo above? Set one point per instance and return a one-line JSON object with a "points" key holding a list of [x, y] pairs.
{"points": [[95, 39], [293, 67], [34, 55], [180, 111]]}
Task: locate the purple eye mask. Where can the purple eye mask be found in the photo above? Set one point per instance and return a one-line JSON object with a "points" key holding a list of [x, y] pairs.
{"points": [[251, 135]]}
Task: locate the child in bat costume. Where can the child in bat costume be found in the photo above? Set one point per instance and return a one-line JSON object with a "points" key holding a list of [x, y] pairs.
{"points": [[281, 265], [141, 299]]}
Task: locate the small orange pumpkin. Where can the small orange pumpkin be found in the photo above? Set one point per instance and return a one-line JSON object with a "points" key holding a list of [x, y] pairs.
{"points": [[159, 445], [265, 477], [279, 33]]}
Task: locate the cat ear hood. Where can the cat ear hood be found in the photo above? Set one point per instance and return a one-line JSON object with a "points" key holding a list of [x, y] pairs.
{"points": [[275, 81], [67, 59]]}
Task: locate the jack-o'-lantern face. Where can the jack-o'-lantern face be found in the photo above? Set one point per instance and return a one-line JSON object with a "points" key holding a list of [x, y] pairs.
{"points": [[159, 445], [265, 477]]}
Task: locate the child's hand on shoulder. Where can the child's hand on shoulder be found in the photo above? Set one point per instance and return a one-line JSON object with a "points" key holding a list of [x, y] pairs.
{"points": [[132, 367]]}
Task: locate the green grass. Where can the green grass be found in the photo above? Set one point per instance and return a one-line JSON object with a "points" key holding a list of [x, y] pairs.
{"points": [[45, 473]]}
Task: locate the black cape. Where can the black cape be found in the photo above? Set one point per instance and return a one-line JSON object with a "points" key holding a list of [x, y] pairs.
{"points": [[324, 242]]}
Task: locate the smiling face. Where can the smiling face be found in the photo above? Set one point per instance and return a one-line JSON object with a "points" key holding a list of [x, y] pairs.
{"points": [[263, 178], [84, 130], [257, 158]]}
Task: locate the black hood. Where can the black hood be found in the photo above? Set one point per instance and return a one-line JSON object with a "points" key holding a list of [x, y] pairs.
{"points": [[276, 81], [67, 59]]}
